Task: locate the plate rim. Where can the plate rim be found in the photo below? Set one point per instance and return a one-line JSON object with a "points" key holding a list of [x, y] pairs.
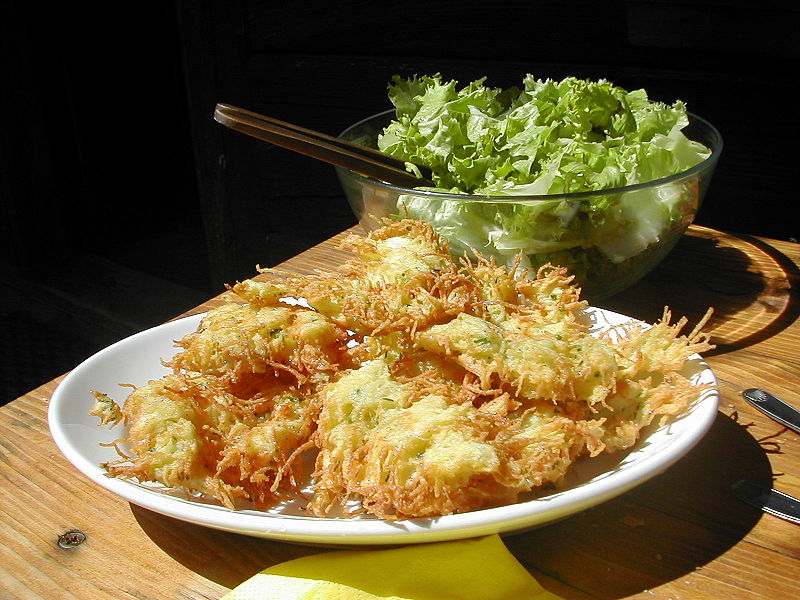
{"points": [[348, 532]]}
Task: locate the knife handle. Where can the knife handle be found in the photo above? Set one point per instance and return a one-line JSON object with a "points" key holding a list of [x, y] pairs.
{"points": [[769, 500]]}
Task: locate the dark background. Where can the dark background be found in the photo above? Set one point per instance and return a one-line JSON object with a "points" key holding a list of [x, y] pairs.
{"points": [[124, 203]]}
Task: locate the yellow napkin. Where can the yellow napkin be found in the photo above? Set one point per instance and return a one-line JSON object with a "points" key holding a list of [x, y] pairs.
{"points": [[476, 569]]}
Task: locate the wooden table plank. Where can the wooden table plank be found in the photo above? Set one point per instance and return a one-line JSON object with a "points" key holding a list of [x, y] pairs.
{"points": [[679, 535]]}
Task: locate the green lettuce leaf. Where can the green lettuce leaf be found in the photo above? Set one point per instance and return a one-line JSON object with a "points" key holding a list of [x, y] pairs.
{"points": [[546, 137]]}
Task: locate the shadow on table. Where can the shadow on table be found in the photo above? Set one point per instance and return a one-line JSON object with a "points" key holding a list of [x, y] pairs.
{"points": [[224, 558], [704, 272], [659, 532]]}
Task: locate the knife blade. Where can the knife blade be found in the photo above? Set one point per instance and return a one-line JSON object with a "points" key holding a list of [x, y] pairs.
{"points": [[769, 500], [771, 406]]}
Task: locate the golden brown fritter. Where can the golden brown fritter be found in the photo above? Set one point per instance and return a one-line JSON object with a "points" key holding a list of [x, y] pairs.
{"points": [[188, 431], [402, 279], [418, 385], [237, 339]]}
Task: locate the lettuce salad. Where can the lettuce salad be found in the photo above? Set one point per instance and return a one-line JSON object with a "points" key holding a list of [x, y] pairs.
{"points": [[547, 137]]}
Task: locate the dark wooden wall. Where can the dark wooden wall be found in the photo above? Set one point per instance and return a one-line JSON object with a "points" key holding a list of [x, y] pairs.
{"points": [[112, 134], [95, 146]]}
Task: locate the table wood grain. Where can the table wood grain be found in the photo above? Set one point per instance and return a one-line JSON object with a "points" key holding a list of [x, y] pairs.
{"points": [[681, 535]]}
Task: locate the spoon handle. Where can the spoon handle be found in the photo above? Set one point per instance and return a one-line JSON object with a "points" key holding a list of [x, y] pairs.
{"points": [[363, 160], [779, 410]]}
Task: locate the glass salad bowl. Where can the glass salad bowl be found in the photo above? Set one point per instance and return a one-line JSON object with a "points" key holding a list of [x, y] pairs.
{"points": [[608, 239]]}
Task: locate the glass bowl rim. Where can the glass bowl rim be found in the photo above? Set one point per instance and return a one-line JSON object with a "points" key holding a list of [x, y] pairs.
{"points": [[705, 164]]}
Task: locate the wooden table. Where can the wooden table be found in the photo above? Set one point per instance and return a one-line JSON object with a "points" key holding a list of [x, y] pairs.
{"points": [[680, 535]]}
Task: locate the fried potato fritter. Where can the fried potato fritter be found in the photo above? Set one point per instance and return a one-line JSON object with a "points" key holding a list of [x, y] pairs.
{"points": [[416, 385]]}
